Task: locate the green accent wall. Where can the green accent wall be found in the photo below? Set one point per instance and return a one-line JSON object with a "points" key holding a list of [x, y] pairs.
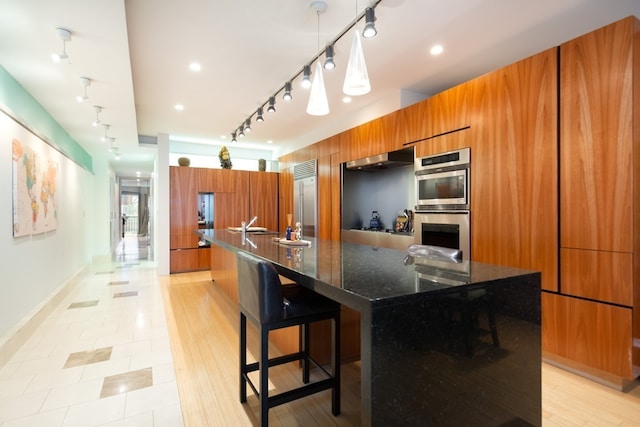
{"points": [[23, 107]]}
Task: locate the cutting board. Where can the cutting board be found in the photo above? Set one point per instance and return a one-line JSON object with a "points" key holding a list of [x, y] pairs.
{"points": [[293, 242]]}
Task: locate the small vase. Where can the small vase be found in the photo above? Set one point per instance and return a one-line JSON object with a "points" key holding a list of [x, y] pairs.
{"points": [[262, 165], [184, 161]]}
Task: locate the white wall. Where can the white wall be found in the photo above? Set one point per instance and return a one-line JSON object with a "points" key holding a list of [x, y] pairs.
{"points": [[34, 267]]}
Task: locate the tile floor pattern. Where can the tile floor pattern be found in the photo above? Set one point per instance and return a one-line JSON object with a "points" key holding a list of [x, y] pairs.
{"points": [[106, 364]]}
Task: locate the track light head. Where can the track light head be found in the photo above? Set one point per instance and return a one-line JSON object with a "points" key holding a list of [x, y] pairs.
{"points": [[64, 35], [329, 63], [247, 125], [259, 117], [369, 26], [106, 129], [241, 131], [272, 105], [287, 92], [233, 137], [306, 77], [96, 122], [86, 82]]}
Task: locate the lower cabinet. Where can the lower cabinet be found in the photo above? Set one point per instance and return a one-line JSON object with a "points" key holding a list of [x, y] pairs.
{"points": [[191, 259], [591, 336]]}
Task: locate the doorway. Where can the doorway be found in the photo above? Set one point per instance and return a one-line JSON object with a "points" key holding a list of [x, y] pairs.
{"points": [[135, 243]]}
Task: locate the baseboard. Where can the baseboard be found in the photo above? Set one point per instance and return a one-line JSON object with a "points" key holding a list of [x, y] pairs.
{"points": [[19, 335], [609, 380]]}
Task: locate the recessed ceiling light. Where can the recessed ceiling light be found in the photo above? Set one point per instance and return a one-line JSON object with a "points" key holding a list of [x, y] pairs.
{"points": [[436, 49], [346, 99], [195, 66], [179, 107], [223, 136], [269, 141]]}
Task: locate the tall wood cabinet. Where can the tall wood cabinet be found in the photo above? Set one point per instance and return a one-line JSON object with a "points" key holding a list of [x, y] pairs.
{"points": [[238, 196], [593, 318]]}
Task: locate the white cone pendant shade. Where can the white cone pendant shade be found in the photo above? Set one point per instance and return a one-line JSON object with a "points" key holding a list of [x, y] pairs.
{"points": [[356, 81], [318, 104]]}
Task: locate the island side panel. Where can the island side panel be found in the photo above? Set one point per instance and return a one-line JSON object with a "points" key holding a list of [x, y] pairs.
{"points": [[435, 362]]}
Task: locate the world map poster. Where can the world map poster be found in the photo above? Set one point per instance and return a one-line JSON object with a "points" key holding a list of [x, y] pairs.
{"points": [[35, 184]]}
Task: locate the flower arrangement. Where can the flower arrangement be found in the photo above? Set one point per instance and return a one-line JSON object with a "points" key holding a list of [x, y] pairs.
{"points": [[225, 159]]}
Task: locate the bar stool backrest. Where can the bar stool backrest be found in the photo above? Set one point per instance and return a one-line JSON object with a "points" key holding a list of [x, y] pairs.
{"points": [[259, 289]]}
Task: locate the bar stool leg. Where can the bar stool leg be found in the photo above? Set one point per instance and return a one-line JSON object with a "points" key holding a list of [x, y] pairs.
{"points": [[305, 350], [264, 376], [335, 362], [243, 358]]}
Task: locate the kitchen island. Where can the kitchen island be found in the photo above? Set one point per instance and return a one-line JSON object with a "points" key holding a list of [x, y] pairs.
{"points": [[441, 343]]}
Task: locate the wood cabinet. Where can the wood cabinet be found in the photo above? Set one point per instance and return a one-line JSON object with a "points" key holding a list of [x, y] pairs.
{"points": [[595, 319], [555, 167], [238, 196]]}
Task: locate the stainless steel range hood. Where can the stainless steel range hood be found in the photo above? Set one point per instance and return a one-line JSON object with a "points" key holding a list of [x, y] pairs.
{"points": [[383, 161]]}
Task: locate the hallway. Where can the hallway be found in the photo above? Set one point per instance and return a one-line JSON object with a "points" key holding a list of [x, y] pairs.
{"points": [[129, 348], [102, 357]]}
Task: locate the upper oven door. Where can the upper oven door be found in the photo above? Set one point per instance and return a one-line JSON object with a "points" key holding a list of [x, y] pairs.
{"points": [[442, 190]]}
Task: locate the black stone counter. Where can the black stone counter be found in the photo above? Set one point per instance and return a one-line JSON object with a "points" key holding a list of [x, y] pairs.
{"points": [[441, 343]]}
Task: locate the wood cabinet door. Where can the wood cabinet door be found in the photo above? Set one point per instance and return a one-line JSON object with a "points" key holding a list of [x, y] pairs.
{"points": [[183, 207], [596, 131], [285, 190], [597, 275], [448, 111], [590, 333], [263, 199], [514, 183]]}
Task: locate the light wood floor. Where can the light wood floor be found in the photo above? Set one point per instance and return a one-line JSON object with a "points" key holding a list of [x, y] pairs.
{"points": [[203, 326]]}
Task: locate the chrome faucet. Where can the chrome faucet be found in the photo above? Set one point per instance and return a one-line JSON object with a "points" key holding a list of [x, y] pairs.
{"points": [[245, 226]]}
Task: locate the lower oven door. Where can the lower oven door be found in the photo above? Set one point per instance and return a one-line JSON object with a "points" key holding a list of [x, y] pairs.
{"points": [[448, 229]]}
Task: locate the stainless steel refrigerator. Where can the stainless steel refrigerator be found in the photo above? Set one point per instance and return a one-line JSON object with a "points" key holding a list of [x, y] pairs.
{"points": [[305, 197]]}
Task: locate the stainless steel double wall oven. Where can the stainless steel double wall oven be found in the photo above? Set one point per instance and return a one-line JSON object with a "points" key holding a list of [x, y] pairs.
{"points": [[442, 216]]}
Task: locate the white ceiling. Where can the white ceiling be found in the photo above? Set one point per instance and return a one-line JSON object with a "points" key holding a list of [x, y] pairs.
{"points": [[137, 54]]}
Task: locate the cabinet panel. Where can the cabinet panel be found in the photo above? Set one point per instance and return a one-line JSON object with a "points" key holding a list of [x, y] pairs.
{"points": [[183, 215], [285, 191], [325, 198], [596, 139], [514, 183], [602, 276], [263, 199], [183, 260], [449, 110], [593, 334]]}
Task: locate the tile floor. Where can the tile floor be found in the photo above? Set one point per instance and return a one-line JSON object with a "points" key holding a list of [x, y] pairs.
{"points": [[103, 356]]}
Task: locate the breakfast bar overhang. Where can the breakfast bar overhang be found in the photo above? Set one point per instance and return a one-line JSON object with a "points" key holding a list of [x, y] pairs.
{"points": [[441, 343]]}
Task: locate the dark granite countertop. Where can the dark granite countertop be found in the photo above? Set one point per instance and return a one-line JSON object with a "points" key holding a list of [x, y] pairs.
{"points": [[363, 276]]}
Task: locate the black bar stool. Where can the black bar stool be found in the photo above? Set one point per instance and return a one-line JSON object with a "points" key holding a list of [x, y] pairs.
{"points": [[270, 305]]}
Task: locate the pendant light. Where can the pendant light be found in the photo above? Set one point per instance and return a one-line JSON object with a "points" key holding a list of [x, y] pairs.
{"points": [[356, 80], [318, 104]]}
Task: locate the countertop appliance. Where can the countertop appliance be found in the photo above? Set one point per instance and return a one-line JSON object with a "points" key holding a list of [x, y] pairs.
{"points": [[442, 181], [305, 197]]}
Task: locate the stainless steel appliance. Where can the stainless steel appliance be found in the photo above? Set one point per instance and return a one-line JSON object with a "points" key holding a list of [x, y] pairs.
{"points": [[305, 199], [442, 181], [442, 216], [383, 161], [447, 229]]}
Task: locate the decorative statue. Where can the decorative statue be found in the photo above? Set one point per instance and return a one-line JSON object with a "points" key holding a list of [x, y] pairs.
{"points": [[225, 159]]}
